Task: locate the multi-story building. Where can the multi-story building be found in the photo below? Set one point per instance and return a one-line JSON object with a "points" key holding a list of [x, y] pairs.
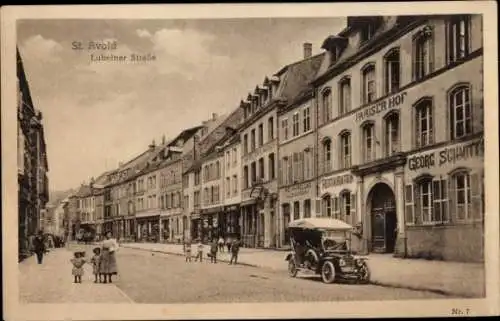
{"points": [[400, 133], [262, 225], [297, 150], [86, 208], [33, 192]]}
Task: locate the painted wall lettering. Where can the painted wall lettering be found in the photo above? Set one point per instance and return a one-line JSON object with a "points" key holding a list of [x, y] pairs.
{"points": [[298, 190], [381, 106], [447, 155], [337, 180]]}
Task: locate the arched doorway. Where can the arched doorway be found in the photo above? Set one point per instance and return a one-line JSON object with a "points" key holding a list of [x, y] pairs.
{"points": [[383, 218]]}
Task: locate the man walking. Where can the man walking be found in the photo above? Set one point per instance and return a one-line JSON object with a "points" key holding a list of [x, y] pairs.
{"points": [[235, 248], [213, 251], [39, 247]]}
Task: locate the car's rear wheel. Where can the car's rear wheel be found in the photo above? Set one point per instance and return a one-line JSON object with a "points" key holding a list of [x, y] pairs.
{"points": [[292, 268], [328, 272]]}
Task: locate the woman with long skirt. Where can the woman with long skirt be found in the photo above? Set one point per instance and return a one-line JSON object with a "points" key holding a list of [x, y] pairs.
{"points": [[108, 258]]}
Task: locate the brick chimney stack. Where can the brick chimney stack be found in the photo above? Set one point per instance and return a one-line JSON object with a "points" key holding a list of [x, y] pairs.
{"points": [[307, 50]]}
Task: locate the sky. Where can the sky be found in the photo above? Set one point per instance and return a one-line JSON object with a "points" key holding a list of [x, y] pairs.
{"points": [[96, 115]]}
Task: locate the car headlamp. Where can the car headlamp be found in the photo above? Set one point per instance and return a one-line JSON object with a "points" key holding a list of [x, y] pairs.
{"points": [[342, 262]]}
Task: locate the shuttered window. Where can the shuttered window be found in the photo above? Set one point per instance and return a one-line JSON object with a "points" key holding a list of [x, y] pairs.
{"points": [[336, 207], [353, 208], [409, 205]]}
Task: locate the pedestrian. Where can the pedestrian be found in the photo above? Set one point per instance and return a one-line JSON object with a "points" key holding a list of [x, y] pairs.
{"points": [[108, 259], [78, 261], [187, 250], [213, 251], [96, 265], [235, 248], [228, 244], [221, 244], [199, 249], [39, 247]]}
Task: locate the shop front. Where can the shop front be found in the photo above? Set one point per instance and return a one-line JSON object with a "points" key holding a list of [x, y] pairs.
{"points": [[230, 222], [211, 227], [148, 228], [196, 225], [444, 202]]}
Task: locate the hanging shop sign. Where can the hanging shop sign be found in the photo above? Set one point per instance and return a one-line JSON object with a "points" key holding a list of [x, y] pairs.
{"points": [[446, 156], [381, 106]]}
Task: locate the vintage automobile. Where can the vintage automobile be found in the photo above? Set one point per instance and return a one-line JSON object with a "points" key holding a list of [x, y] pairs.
{"points": [[323, 246]]}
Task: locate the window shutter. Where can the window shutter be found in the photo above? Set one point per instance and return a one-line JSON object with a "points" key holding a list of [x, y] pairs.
{"points": [[317, 207], [290, 170], [444, 200], [353, 207], [409, 206], [336, 209], [280, 171], [476, 197], [452, 208]]}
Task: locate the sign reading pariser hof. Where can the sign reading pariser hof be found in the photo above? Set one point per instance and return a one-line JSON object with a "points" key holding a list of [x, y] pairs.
{"points": [[447, 156], [381, 106]]}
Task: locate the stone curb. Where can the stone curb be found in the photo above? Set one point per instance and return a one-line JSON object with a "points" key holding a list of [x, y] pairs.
{"points": [[372, 282]]}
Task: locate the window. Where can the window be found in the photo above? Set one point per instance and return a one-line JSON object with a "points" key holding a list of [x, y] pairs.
{"points": [[439, 192], [307, 208], [327, 155], [197, 199], [270, 129], [366, 32], [295, 128], [228, 186], [261, 168], [462, 196], [245, 177], [245, 144], [261, 134], [252, 140], [458, 38], [296, 210], [235, 156], [228, 159], [424, 128], [272, 174], [197, 177], [368, 141], [217, 169], [307, 119], [186, 201], [369, 90], [253, 169], [423, 53], [460, 111], [426, 203], [327, 206], [326, 101], [392, 71], [235, 185], [345, 150], [344, 96], [284, 171], [308, 163], [345, 206], [284, 128], [392, 134]]}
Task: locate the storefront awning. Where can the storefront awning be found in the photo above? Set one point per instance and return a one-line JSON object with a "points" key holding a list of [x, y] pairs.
{"points": [[211, 210], [248, 202], [229, 208]]}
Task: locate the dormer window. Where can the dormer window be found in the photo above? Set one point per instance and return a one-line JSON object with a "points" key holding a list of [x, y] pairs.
{"points": [[333, 55], [367, 32]]}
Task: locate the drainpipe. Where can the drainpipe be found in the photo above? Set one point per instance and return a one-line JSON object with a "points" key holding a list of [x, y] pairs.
{"points": [[316, 149]]}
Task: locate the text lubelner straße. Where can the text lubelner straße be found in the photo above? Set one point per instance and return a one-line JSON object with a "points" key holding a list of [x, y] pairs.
{"points": [[106, 46]]}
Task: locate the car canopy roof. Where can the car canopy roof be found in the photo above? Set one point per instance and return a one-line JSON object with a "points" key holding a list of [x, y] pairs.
{"points": [[320, 223]]}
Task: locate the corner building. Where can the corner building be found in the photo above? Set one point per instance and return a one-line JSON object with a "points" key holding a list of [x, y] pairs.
{"points": [[400, 134]]}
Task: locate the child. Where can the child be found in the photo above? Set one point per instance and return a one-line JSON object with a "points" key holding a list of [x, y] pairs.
{"points": [[199, 255], [96, 264], [78, 261], [187, 249]]}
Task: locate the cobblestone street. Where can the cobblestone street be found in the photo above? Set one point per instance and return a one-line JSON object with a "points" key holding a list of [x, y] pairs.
{"points": [[146, 277]]}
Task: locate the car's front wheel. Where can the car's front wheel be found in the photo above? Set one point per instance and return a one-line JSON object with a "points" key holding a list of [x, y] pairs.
{"points": [[292, 268], [364, 274], [328, 272]]}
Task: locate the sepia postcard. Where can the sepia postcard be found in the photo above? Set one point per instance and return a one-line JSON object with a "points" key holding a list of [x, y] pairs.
{"points": [[250, 161]]}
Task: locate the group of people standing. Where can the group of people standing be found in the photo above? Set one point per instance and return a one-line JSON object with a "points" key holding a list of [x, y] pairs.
{"points": [[103, 261], [233, 247]]}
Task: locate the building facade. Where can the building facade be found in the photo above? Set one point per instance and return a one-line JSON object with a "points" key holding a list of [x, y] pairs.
{"points": [[400, 134], [33, 191], [231, 190], [211, 208]]}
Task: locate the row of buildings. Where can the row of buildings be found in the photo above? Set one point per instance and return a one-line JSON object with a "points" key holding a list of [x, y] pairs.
{"points": [[383, 129], [32, 169]]}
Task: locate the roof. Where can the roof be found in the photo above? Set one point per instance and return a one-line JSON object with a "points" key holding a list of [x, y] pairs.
{"points": [[186, 134], [84, 191]]}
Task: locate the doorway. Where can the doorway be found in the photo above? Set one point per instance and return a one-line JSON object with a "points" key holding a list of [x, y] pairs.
{"points": [[384, 218]]}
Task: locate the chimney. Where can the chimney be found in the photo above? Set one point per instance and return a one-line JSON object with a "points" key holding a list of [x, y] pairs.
{"points": [[214, 116], [163, 140], [153, 145], [307, 50]]}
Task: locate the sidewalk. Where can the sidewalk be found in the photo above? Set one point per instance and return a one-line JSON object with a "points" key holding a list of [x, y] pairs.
{"points": [[52, 282], [449, 278]]}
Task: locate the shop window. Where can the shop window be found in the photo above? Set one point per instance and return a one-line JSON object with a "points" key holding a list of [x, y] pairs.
{"points": [[368, 131], [307, 208], [423, 53], [344, 95], [296, 210], [392, 134], [466, 196], [326, 103], [306, 119], [369, 84], [345, 149], [424, 126], [460, 111], [327, 155], [327, 205], [458, 38], [392, 71]]}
